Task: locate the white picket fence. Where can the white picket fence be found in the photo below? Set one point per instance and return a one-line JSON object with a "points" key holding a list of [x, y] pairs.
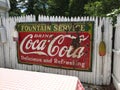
{"points": [[116, 50], [101, 66]]}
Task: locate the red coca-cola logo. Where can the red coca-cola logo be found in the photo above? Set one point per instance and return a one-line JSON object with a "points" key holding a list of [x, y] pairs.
{"points": [[54, 47]]}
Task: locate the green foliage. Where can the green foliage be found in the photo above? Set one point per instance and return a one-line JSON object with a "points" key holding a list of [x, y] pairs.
{"points": [[76, 7], [35, 7], [64, 7], [110, 5], [58, 7], [94, 8], [113, 15], [14, 11], [113, 8], [101, 7]]}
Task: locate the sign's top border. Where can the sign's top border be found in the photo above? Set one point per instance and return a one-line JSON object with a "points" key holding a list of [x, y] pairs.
{"points": [[55, 26]]}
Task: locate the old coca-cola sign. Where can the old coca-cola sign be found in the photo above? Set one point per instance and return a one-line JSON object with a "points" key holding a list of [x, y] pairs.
{"points": [[56, 44]]}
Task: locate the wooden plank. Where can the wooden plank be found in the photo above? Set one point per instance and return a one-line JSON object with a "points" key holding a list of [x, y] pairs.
{"points": [[98, 58], [6, 46], [94, 49], [2, 55], [116, 65], [107, 58]]}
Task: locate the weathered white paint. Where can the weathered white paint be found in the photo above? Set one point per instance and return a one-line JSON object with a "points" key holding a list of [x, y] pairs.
{"points": [[101, 73], [4, 5], [4, 8], [116, 63]]}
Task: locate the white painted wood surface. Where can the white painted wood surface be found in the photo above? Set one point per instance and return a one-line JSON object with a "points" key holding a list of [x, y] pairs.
{"points": [[101, 73], [116, 63]]}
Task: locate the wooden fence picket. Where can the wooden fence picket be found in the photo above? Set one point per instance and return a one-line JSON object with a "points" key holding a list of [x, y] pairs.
{"points": [[116, 58]]}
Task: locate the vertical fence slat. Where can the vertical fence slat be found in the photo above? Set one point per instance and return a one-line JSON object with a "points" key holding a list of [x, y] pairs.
{"points": [[97, 58], [107, 59], [110, 31], [13, 51], [2, 64], [7, 46], [116, 62]]}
